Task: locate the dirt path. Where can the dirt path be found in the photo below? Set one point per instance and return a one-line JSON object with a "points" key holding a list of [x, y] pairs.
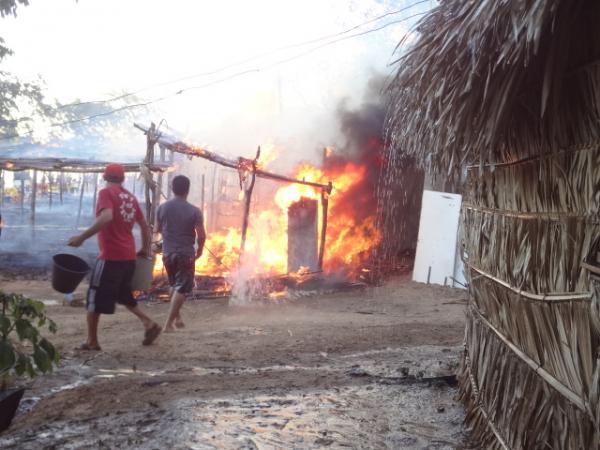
{"points": [[358, 370]]}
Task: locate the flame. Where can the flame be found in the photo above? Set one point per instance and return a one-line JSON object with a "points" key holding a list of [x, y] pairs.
{"points": [[348, 237]]}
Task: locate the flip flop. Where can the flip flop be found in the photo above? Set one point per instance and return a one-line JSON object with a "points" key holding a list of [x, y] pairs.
{"points": [[151, 334], [87, 347]]}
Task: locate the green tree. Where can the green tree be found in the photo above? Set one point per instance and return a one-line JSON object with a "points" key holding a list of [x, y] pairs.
{"points": [[17, 96]]}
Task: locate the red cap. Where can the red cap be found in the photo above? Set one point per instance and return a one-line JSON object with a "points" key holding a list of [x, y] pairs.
{"points": [[114, 171]]}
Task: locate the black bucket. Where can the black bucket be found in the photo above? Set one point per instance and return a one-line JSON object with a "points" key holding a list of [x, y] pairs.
{"points": [[67, 272], [9, 402]]}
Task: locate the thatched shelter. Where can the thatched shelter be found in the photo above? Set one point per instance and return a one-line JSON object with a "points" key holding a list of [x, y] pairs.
{"points": [[501, 98]]}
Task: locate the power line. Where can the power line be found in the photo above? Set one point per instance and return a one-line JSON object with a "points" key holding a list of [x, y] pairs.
{"points": [[237, 63], [218, 81]]}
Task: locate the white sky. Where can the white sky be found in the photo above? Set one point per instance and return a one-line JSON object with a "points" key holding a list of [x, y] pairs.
{"points": [[92, 49]]}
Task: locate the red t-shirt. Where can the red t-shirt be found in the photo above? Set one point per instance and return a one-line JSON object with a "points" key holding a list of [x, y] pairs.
{"points": [[116, 240]]}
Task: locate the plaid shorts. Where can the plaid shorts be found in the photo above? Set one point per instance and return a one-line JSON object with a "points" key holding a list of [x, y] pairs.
{"points": [[180, 270]]}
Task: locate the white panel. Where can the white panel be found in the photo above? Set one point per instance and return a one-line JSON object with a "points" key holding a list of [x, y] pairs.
{"points": [[438, 230]]}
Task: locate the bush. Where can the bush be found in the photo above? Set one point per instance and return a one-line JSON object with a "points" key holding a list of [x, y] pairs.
{"points": [[23, 350]]}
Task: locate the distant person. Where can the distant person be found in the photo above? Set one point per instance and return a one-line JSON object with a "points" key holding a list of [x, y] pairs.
{"points": [[117, 210], [181, 224]]}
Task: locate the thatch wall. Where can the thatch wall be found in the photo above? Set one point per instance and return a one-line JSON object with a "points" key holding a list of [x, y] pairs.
{"points": [[504, 96]]}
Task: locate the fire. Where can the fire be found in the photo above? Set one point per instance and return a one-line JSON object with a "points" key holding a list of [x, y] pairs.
{"points": [[349, 236]]}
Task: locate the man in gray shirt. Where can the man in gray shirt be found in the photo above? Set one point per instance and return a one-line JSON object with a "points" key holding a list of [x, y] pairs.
{"points": [[180, 224]]}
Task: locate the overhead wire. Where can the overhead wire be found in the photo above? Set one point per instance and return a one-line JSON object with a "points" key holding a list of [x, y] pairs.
{"points": [[218, 81], [246, 60]]}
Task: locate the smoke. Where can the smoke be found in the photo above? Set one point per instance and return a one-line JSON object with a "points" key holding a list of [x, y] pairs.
{"points": [[362, 130]]}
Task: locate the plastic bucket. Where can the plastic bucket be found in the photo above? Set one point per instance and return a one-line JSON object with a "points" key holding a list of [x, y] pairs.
{"points": [[142, 277], [67, 272]]}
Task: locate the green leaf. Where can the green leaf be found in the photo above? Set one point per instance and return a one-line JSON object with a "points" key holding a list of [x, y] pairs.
{"points": [[50, 350], [30, 369], [42, 359], [4, 324], [25, 330], [7, 356], [21, 365]]}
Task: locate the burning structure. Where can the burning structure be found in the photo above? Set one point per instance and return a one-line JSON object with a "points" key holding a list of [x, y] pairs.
{"points": [[303, 232], [505, 94]]}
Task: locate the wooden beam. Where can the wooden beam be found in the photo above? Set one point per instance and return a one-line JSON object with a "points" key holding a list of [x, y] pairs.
{"points": [[71, 165], [238, 164]]}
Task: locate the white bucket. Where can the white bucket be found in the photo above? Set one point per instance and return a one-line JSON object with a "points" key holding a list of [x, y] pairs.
{"points": [[142, 277]]}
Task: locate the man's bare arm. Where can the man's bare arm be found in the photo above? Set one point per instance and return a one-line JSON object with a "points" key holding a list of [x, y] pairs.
{"points": [[104, 218]]}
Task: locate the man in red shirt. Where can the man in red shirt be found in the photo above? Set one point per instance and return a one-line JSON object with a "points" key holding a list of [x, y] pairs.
{"points": [[117, 210]]}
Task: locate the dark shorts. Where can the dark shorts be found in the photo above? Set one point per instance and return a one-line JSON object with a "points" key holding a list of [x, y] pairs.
{"points": [[110, 284], [180, 270]]}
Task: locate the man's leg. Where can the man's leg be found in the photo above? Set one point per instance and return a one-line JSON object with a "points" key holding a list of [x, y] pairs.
{"points": [[92, 327], [147, 321], [177, 300]]}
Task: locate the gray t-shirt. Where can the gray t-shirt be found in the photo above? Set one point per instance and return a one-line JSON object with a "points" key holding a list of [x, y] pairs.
{"points": [[178, 220]]}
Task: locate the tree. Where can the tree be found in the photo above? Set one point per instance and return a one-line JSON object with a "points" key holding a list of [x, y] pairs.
{"points": [[18, 98]]}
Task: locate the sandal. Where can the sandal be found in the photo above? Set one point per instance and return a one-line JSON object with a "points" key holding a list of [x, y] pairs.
{"points": [[151, 334], [87, 347]]}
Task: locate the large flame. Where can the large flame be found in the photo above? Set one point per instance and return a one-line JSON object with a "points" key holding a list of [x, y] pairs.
{"points": [[349, 237]]}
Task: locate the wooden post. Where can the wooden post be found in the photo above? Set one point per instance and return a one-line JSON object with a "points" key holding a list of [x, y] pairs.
{"points": [[170, 175], [95, 194], [22, 195], [213, 207], [80, 199], [33, 195], [150, 141], [61, 187], [324, 208], [133, 188], [247, 199], [202, 197], [50, 180], [159, 185]]}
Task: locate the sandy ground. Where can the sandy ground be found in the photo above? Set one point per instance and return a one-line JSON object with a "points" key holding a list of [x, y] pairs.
{"points": [[361, 369]]}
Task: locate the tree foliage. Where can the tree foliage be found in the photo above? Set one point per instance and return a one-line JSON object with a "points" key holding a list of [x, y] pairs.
{"points": [[23, 350], [9, 7]]}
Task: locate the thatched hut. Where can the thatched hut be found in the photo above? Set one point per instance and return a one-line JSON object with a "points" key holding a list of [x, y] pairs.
{"points": [[502, 99]]}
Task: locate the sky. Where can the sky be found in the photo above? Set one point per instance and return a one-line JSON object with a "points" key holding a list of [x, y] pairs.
{"points": [[96, 49]]}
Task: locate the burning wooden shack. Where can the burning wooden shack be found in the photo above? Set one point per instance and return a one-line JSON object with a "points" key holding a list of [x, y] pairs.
{"points": [[500, 100], [295, 236]]}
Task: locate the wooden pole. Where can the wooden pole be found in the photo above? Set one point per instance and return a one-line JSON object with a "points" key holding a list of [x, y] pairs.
{"points": [[324, 208], [213, 207], [50, 180], [61, 188], [133, 187], [22, 195], [150, 141], [159, 185], [171, 174], [80, 199], [95, 194], [33, 195], [180, 147], [202, 196], [247, 200]]}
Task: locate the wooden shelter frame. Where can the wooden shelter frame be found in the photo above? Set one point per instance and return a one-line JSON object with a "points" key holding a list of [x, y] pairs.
{"points": [[247, 169], [69, 165]]}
